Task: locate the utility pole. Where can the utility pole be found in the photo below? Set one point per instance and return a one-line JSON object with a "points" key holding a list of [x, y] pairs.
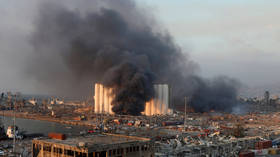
{"points": [[14, 126], [185, 122]]}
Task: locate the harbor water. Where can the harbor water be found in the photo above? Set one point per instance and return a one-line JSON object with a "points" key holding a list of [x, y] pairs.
{"points": [[29, 126]]}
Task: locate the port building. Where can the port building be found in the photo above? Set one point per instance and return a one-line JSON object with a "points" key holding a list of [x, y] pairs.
{"points": [[101, 145], [159, 105]]}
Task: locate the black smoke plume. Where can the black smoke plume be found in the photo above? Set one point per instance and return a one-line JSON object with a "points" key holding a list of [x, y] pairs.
{"points": [[118, 44]]}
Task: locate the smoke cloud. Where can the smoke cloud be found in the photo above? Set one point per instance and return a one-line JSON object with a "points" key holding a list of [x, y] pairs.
{"points": [[119, 44]]}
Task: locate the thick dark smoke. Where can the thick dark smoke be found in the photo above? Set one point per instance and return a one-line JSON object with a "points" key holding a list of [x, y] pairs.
{"points": [[217, 94], [118, 44], [133, 87]]}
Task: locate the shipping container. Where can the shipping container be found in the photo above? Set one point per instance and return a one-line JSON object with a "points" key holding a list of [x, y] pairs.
{"points": [[116, 121], [273, 151], [263, 144], [57, 136], [247, 154], [169, 123], [260, 152], [130, 124]]}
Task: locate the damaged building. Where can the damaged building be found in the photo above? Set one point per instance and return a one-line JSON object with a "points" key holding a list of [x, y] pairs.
{"points": [[102, 145]]}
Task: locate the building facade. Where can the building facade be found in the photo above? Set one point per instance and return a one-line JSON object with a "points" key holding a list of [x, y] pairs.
{"points": [[102, 145]]}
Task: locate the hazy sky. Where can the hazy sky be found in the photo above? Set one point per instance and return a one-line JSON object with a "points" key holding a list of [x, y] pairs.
{"points": [[233, 37]]}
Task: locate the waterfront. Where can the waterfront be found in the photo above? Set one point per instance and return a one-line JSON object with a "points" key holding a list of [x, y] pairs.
{"points": [[30, 126]]}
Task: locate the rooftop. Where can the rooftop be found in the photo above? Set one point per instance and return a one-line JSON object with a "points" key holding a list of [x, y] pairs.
{"points": [[95, 140]]}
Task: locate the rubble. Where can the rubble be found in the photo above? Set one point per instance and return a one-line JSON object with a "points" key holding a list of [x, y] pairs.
{"points": [[212, 133]]}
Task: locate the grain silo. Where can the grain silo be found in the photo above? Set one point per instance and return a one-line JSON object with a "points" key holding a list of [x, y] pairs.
{"points": [[159, 105], [103, 99]]}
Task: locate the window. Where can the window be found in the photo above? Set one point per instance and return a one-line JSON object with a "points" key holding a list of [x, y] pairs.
{"points": [[54, 149], [69, 152], [47, 148], [80, 154], [57, 150], [118, 151]]}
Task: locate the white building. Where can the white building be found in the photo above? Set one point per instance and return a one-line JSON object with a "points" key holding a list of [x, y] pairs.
{"points": [[158, 105], [11, 132]]}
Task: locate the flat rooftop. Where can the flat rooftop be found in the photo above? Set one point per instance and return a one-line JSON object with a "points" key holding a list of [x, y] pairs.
{"points": [[95, 140]]}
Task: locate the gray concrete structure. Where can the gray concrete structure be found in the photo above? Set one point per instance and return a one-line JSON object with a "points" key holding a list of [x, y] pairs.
{"points": [[102, 145]]}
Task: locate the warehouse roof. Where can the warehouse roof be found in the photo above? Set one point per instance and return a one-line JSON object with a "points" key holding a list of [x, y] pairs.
{"points": [[93, 140]]}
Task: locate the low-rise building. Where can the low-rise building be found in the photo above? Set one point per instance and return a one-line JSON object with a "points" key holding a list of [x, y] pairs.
{"points": [[102, 145]]}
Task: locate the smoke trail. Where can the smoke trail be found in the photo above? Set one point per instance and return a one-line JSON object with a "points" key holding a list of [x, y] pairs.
{"points": [[116, 44]]}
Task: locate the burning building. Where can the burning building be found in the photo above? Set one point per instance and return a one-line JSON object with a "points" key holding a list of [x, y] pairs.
{"points": [[158, 105]]}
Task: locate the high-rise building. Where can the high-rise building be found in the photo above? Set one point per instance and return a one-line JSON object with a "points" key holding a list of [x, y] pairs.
{"points": [[267, 98]]}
